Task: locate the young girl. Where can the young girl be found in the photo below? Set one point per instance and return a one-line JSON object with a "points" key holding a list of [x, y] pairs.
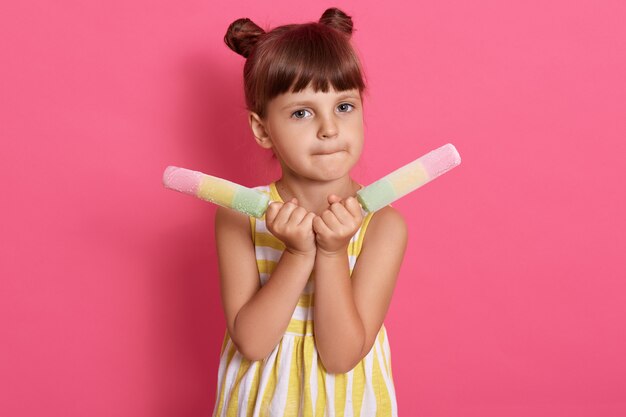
{"points": [[305, 289]]}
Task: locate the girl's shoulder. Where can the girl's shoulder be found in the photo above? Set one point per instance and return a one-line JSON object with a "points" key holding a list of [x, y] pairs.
{"points": [[386, 226]]}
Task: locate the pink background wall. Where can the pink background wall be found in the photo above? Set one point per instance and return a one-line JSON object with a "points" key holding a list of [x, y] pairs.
{"points": [[511, 300]]}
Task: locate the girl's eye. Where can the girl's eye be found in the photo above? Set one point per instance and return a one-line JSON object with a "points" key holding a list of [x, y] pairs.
{"points": [[345, 106], [302, 113], [299, 114]]}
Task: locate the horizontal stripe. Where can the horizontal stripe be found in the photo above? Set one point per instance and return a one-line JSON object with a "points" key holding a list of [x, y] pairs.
{"points": [[268, 239], [305, 301], [268, 252], [301, 327], [265, 266], [302, 313]]}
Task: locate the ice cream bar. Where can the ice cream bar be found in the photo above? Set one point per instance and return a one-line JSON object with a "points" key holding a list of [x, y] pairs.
{"points": [[373, 197], [408, 178], [216, 190]]}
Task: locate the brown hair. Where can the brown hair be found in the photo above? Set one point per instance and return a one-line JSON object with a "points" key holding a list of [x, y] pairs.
{"points": [[294, 56]]}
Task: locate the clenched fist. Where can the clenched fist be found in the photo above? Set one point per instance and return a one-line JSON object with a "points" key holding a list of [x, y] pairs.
{"points": [[293, 225], [336, 225]]}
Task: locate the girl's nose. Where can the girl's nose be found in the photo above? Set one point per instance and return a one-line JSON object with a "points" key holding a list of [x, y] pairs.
{"points": [[328, 128]]}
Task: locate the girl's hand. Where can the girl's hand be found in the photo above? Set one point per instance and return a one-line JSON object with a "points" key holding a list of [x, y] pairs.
{"points": [[336, 225], [292, 224]]}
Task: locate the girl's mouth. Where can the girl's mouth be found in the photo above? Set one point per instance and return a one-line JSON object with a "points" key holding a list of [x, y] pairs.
{"points": [[329, 152]]}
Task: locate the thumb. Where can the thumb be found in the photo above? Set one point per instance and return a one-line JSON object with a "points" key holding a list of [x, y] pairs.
{"points": [[332, 198]]}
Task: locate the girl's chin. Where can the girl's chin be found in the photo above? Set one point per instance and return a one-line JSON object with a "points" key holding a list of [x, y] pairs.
{"points": [[331, 173]]}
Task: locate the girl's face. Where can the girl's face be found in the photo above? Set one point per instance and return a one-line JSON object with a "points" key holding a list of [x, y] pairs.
{"points": [[314, 134]]}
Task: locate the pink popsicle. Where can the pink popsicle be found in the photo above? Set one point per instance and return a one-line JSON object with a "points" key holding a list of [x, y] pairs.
{"points": [[408, 178], [216, 190]]}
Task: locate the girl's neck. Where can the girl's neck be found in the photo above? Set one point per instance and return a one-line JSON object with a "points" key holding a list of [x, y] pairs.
{"points": [[313, 195]]}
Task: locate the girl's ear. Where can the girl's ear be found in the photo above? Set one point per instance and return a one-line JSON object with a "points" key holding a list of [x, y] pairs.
{"points": [[259, 131]]}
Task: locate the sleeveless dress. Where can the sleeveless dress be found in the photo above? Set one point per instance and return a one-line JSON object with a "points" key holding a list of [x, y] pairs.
{"points": [[292, 381]]}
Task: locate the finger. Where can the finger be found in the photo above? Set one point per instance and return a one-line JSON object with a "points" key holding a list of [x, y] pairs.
{"points": [[341, 213], [331, 220], [272, 211], [333, 198], [308, 219], [297, 215], [353, 207], [320, 226], [285, 211]]}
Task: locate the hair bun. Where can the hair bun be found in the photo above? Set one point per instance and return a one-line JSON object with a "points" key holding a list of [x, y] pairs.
{"points": [[242, 35], [337, 19]]}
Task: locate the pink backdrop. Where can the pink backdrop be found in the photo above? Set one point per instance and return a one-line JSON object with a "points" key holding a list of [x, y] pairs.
{"points": [[511, 300]]}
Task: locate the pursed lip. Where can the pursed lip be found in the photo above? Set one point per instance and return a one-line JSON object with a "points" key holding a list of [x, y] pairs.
{"points": [[329, 153]]}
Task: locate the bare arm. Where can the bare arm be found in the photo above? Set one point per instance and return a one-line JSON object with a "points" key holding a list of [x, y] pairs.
{"points": [[361, 302], [257, 316], [339, 331]]}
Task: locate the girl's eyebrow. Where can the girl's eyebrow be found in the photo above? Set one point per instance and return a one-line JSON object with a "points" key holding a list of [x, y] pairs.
{"points": [[308, 103]]}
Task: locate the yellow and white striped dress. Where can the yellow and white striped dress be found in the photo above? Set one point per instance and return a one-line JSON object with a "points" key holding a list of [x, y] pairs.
{"points": [[292, 381]]}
